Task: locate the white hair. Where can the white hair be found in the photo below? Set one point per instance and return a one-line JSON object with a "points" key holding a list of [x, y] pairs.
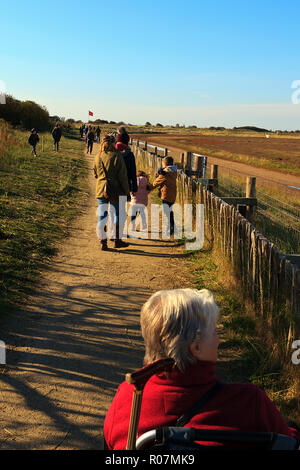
{"points": [[171, 320]]}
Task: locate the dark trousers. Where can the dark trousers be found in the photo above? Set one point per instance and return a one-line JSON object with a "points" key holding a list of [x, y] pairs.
{"points": [[34, 149], [167, 207], [56, 145], [90, 146]]}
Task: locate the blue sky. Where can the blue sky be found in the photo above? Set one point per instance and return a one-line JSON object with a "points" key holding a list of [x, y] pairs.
{"points": [[224, 63]]}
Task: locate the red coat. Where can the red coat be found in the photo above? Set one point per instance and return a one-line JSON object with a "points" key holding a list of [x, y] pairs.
{"points": [[238, 406]]}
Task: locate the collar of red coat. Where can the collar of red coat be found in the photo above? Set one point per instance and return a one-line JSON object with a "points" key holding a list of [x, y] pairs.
{"points": [[121, 146], [202, 372]]}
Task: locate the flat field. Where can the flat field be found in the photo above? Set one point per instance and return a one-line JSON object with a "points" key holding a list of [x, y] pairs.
{"points": [[281, 153]]}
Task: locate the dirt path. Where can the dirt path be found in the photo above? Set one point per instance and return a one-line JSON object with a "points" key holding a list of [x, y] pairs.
{"points": [[71, 345], [262, 174]]}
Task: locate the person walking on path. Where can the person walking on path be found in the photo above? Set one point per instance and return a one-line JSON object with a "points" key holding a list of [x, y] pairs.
{"points": [[139, 200], [56, 134], [90, 140], [122, 139], [86, 129], [33, 140], [166, 182], [122, 146], [98, 133], [110, 169]]}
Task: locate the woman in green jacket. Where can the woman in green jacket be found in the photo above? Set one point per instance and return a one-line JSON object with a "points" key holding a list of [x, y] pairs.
{"points": [[109, 166]]}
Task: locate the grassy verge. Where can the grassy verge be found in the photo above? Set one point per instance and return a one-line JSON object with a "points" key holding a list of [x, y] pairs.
{"points": [[245, 355], [39, 196]]}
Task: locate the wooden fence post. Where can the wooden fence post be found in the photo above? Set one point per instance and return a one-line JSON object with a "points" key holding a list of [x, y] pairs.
{"points": [[250, 192], [187, 162], [182, 160], [214, 171], [214, 175], [197, 166]]}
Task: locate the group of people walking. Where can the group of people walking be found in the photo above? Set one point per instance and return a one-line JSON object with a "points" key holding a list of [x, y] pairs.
{"points": [[90, 134], [119, 182], [34, 139]]}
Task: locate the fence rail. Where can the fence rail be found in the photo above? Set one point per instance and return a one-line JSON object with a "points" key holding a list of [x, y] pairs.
{"points": [[271, 280]]}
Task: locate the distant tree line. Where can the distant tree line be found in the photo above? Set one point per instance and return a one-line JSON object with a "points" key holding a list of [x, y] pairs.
{"points": [[26, 114]]}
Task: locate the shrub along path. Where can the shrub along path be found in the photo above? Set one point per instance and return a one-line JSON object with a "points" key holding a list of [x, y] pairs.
{"points": [[70, 346]]}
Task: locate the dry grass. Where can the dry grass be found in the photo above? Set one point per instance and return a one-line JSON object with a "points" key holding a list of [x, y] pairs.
{"points": [[38, 198]]}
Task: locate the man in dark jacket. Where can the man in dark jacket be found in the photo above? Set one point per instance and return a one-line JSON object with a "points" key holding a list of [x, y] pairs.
{"points": [[33, 139], [56, 134], [131, 169], [122, 146], [98, 133], [90, 140]]}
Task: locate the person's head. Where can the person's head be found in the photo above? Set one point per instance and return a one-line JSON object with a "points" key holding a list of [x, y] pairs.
{"points": [[180, 324], [122, 130], [123, 138], [107, 143], [33, 131], [167, 161]]}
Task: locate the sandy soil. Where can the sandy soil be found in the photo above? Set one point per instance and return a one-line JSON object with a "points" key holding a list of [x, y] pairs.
{"points": [[72, 343]]}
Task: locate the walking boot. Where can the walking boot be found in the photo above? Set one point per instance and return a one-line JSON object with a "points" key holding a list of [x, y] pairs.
{"points": [[118, 242], [104, 246]]}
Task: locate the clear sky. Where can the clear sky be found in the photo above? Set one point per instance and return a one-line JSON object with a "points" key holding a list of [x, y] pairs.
{"points": [[213, 63]]}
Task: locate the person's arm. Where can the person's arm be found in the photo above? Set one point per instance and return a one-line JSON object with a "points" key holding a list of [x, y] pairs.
{"points": [[122, 174], [95, 167], [132, 175], [159, 181]]}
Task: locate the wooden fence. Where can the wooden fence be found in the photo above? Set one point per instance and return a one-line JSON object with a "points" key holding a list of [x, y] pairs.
{"points": [[269, 278]]}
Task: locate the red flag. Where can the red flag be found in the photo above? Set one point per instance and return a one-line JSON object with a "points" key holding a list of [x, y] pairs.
{"points": [[90, 113]]}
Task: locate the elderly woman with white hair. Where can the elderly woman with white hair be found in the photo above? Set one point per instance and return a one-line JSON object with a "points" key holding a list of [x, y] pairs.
{"points": [[181, 324]]}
